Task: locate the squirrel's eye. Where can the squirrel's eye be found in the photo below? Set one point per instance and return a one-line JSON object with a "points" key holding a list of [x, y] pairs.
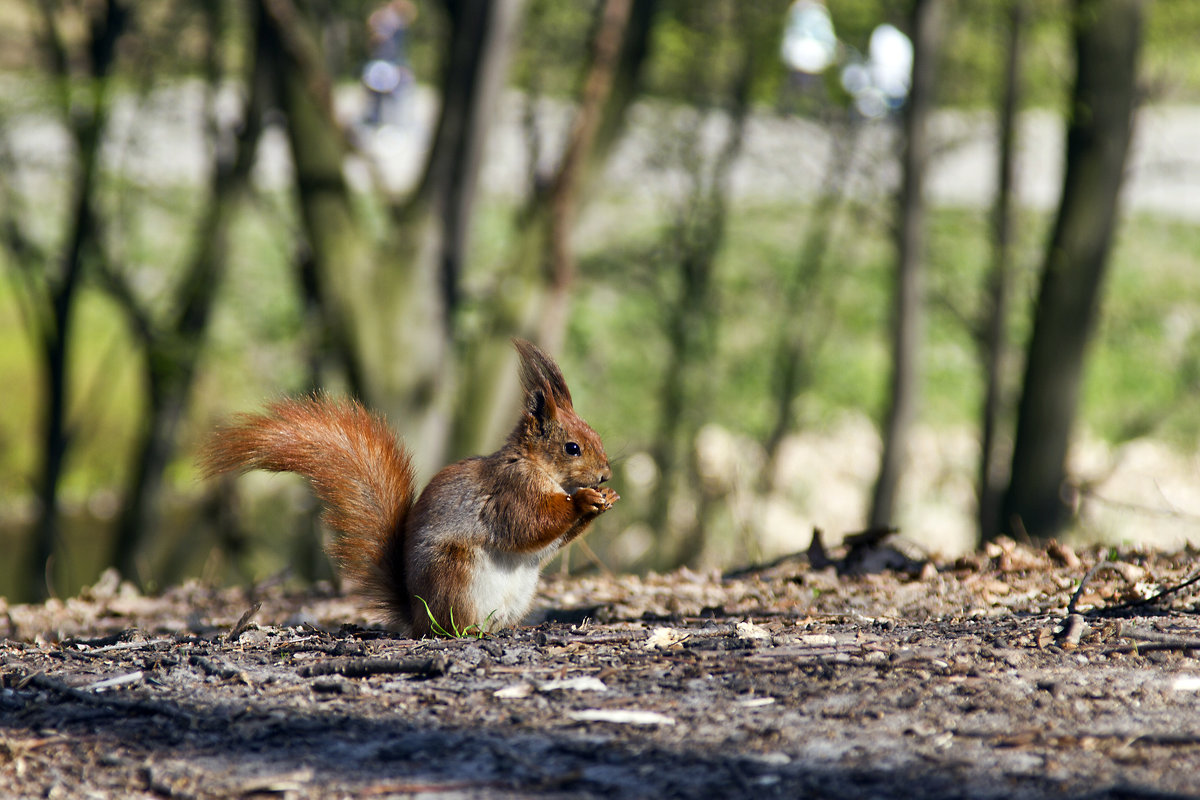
{"points": [[572, 449]]}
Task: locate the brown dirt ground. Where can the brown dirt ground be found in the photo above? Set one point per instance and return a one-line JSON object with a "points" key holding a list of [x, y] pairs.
{"points": [[964, 679]]}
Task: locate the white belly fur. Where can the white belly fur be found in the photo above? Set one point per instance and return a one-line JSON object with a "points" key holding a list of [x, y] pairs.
{"points": [[502, 587]]}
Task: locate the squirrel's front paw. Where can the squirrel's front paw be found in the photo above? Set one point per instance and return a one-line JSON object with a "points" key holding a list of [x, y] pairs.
{"points": [[594, 501]]}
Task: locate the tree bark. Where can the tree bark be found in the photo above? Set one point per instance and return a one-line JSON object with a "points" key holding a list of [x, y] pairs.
{"points": [[564, 193], [909, 291], [106, 23], [805, 298], [172, 348], [479, 47], [541, 266], [394, 301], [691, 317], [341, 246], [994, 341], [1108, 36]]}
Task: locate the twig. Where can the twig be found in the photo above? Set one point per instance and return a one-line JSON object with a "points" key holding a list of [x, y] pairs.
{"points": [[815, 553], [243, 623], [1129, 604], [1091, 573], [117, 682], [145, 644], [1170, 590], [753, 569], [1145, 641], [614, 637], [1149, 647], [364, 667], [42, 681], [595, 559]]}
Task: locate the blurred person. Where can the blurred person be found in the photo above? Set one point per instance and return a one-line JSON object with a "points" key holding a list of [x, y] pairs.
{"points": [[387, 75], [809, 46]]}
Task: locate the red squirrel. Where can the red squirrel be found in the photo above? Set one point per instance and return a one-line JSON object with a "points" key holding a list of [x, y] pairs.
{"points": [[468, 551]]}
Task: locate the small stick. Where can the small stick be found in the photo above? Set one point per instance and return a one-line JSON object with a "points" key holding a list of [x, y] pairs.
{"points": [[1072, 631], [1128, 604], [1150, 646], [143, 645], [595, 559]]}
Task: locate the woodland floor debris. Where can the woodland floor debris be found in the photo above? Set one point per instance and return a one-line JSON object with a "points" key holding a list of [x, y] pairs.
{"points": [[965, 679]]}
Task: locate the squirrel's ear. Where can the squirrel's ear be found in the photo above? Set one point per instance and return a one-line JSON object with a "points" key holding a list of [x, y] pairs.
{"points": [[539, 374], [540, 404]]}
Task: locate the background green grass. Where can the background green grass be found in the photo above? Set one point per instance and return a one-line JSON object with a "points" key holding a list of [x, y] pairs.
{"points": [[1141, 378]]}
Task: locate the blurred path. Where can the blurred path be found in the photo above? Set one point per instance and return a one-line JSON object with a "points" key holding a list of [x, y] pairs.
{"points": [[783, 159]]}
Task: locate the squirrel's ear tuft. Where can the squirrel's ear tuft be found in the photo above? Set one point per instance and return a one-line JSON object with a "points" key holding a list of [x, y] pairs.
{"points": [[541, 376], [539, 404]]}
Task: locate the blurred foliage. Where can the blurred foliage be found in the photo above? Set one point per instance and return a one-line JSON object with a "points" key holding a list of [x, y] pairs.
{"points": [[556, 34], [615, 339]]}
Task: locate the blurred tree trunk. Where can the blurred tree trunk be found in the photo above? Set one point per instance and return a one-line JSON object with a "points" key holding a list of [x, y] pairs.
{"points": [[626, 83], [434, 226], [54, 291], [472, 78], [993, 335], [1108, 36], [805, 298], [691, 321], [337, 237], [565, 191], [691, 317], [393, 297], [541, 268], [909, 293], [172, 348]]}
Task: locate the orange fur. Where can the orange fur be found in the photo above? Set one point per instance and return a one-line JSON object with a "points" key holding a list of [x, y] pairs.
{"points": [[356, 467]]}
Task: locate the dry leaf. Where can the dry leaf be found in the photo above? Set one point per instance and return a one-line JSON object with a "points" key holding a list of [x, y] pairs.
{"points": [[587, 683], [662, 638]]}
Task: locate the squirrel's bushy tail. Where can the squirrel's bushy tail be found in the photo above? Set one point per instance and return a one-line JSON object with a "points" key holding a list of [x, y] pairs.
{"points": [[357, 468]]}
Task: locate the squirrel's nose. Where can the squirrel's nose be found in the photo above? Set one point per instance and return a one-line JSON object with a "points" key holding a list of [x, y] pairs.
{"points": [[605, 475]]}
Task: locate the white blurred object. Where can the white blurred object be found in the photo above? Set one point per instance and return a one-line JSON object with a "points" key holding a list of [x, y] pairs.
{"points": [[809, 43], [880, 83], [890, 55]]}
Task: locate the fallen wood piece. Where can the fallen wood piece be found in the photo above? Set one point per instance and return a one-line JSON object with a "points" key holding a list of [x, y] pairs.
{"points": [[210, 667], [147, 644], [1150, 647], [621, 716], [243, 622], [115, 682], [1073, 629], [1147, 635], [1091, 573], [1146, 641], [1128, 604], [365, 667]]}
